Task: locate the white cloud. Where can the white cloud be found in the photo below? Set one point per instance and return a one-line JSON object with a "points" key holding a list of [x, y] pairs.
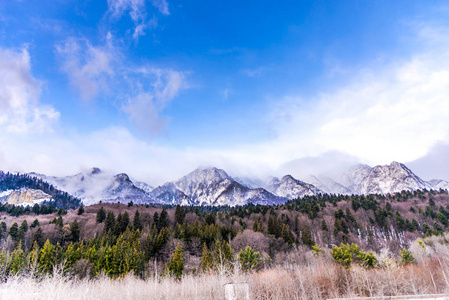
{"points": [[136, 8], [162, 5], [137, 12], [20, 108], [88, 67], [391, 112], [147, 103]]}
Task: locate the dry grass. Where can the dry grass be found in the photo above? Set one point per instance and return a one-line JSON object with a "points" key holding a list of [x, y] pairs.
{"points": [[316, 278]]}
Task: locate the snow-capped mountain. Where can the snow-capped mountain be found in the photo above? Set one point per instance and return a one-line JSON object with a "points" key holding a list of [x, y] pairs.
{"points": [[212, 186], [168, 193], [291, 188], [95, 186], [363, 179], [392, 178], [439, 184], [328, 185]]}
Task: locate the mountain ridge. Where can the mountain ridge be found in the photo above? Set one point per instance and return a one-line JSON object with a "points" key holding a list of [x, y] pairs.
{"points": [[214, 186]]}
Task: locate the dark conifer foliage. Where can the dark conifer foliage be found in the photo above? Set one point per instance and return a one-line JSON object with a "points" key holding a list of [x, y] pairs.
{"points": [[61, 199]]}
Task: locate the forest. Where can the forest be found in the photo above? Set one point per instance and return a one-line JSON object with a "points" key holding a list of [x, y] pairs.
{"points": [[143, 240]]}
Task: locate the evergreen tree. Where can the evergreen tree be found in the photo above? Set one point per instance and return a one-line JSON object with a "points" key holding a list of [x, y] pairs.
{"points": [[35, 223], [24, 226], [81, 210], [17, 261], [14, 231], [250, 260], [156, 220], [3, 231], [324, 226], [109, 223], [163, 221], [177, 262], [75, 231], [306, 236], [406, 257], [101, 215], [179, 214], [137, 224], [22, 231], [286, 234], [206, 258], [47, 258], [38, 238]]}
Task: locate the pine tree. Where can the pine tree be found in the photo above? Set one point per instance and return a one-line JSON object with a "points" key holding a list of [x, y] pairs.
{"points": [[81, 210], [286, 234], [406, 257], [179, 214], [324, 226], [17, 261], [75, 231], [206, 258], [14, 231], [35, 223], [101, 215], [156, 220], [250, 260], [306, 236], [38, 238], [137, 224], [177, 262], [109, 223], [163, 221], [22, 231], [47, 258]]}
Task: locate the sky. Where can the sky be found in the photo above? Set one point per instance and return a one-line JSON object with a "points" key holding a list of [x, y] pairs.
{"points": [[157, 88]]}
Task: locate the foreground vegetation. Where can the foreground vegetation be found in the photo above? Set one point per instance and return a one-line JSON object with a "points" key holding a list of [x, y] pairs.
{"points": [[304, 275], [317, 247]]}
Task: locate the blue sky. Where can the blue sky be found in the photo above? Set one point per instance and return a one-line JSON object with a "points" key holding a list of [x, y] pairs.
{"points": [[156, 88]]}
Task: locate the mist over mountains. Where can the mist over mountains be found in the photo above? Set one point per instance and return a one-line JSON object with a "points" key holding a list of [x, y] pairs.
{"points": [[213, 186]]}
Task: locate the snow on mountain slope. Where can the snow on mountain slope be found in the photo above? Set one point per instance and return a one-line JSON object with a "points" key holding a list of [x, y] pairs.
{"points": [[95, 186], [352, 179], [24, 197], [439, 184], [168, 193], [328, 185], [392, 178], [212, 186], [143, 186], [291, 188]]}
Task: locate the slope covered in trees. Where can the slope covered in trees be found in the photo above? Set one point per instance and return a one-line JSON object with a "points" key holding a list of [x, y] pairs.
{"points": [[60, 199], [117, 239]]}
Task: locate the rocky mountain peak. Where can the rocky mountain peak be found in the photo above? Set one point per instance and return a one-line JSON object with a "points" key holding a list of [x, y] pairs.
{"points": [[95, 171], [122, 177]]}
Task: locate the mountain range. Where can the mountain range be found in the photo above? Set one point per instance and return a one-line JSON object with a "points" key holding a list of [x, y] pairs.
{"points": [[213, 186]]}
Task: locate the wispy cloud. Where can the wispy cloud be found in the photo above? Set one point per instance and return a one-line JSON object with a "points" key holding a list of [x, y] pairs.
{"points": [[138, 13], [162, 5], [255, 72], [88, 67], [20, 107], [144, 107]]}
